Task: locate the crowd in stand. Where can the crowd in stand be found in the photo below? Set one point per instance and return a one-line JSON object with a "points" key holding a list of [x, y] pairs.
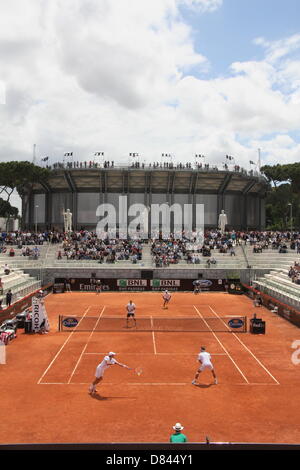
{"points": [[172, 250], [85, 164], [22, 238], [86, 245], [281, 241], [137, 164], [294, 273], [167, 252]]}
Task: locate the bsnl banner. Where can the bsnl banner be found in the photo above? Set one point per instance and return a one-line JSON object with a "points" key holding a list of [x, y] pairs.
{"points": [[153, 283]]}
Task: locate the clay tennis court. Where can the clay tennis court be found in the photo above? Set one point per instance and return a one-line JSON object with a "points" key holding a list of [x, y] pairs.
{"points": [[45, 381]]}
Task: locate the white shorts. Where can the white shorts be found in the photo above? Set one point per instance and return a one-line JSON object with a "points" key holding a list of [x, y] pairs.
{"points": [[205, 366], [99, 372]]}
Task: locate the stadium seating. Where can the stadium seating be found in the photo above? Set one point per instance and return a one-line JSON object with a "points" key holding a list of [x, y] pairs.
{"points": [[270, 258], [19, 283], [279, 285]]}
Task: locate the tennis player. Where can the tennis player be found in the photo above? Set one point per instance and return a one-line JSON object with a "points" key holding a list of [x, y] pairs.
{"points": [[108, 361], [98, 286], [205, 363], [166, 298], [130, 308]]}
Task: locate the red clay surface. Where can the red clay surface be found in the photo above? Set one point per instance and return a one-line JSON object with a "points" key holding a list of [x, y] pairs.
{"points": [[44, 385]]}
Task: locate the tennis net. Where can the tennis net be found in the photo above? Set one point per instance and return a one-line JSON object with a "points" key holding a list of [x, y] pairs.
{"points": [[189, 324]]}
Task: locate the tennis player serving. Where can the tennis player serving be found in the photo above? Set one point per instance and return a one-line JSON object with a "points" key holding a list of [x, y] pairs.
{"points": [[130, 308], [108, 361], [205, 360], [166, 298]]}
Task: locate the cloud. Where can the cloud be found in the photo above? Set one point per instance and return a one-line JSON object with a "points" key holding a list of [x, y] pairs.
{"points": [[129, 56], [204, 5], [120, 77], [276, 50]]}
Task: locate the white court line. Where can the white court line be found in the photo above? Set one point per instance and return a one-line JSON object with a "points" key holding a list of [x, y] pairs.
{"points": [[223, 347], [153, 337], [158, 354], [261, 383], [70, 335], [112, 383], [243, 344], [154, 383], [86, 344]]}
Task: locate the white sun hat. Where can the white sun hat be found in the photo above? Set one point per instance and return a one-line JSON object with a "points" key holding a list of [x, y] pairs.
{"points": [[112, 353], [178, 427]]}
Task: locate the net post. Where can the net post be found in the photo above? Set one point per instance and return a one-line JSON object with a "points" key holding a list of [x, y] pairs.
{"points": [[245, 322], [59, 322]]}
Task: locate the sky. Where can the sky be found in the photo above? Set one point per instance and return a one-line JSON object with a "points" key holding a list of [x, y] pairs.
{"points": [[182, 77]]}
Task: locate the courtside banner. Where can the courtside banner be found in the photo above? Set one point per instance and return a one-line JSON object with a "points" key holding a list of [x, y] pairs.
{"points": [[129, 283], [164, 283], [138, 285], [37, 314], [132, 284]]}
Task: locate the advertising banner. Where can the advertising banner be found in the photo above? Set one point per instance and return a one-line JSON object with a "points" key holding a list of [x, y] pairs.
{"points": [[132, 284], [39, 315], [137, 285]]}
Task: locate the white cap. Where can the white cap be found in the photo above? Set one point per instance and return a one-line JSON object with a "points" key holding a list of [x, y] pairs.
{"points": [[111, 353], [178, 427]]}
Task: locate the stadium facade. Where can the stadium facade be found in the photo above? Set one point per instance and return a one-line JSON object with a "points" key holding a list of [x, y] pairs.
{"points": [[82, 189]]}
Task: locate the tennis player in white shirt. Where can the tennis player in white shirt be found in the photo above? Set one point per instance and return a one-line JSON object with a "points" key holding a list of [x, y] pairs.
{"points": [[166, 298], [108, 361], [205, 363], [130, 308]]}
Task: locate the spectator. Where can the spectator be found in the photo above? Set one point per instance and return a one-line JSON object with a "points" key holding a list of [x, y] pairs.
{"points": [[6, 270], [178, 436], [8, 298]]}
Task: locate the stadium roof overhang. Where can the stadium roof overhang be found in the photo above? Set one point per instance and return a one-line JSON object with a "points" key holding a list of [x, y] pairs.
{"points": [[126, 180]]}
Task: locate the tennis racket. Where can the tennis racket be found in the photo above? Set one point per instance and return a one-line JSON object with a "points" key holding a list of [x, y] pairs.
{"points": [[138, 371]]}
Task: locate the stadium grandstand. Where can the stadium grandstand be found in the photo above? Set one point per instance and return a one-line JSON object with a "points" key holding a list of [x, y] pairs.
{"points": [[83, 186]]}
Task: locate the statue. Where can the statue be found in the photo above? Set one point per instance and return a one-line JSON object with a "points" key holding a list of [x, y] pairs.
{"points": [[68, 220], [222, 221]]}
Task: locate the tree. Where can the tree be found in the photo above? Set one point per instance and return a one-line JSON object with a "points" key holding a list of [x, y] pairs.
{"points": [[285, 190], [7, 211], [21, 176]]}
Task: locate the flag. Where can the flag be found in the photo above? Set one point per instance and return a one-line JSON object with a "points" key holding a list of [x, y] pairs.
{"points": [[68, 154]]}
